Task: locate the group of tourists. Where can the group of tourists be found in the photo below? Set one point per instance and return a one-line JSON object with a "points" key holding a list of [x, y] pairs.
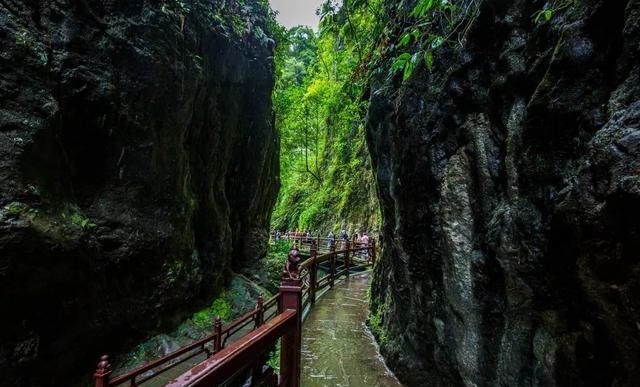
{"points": [[305, 237], [299, 236], [358, 240]]}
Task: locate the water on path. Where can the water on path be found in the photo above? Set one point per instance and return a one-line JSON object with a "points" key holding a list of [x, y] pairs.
{"points": [[337, 348]]}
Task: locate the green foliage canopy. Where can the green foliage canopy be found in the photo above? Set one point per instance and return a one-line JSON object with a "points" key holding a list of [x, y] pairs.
{"points": [[326, 176]]}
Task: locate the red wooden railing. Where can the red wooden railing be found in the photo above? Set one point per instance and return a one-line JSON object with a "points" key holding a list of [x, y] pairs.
{"points": [[267, 324], [338, 263], [323, 243]]}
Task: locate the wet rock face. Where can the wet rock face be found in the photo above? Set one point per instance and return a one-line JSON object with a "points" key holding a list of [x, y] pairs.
{"points": [[138, 165], [509, 178]]}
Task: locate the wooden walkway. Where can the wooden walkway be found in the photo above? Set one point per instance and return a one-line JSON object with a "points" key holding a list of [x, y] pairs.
{"points": [[241, 349], [337, 347]]}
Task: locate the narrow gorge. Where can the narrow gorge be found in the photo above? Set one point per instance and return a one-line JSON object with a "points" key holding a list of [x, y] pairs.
{"points": [[489, 148]]}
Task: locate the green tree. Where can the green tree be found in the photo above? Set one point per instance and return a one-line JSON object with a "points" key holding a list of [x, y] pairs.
{"points": [[326, 176]]}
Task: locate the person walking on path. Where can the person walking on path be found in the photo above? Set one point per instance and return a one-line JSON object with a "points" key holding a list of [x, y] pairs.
{"points": [[345, 239], [331, 239], [364, 242]]}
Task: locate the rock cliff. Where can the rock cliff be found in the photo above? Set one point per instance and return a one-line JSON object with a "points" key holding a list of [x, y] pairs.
{"points": [[138, 167], [509, 180]]}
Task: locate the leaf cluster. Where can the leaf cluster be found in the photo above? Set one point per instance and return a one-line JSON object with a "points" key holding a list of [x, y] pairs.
{"points": [[428, 26], [551, 9], [220, 307]]}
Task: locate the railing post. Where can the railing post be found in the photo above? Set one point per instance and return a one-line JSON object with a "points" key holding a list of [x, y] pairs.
{"points": [[347, 264], [332, 265], [372, 254], [217, 329], [313, 272], [103, 371], [260, 311], [291, 343]]}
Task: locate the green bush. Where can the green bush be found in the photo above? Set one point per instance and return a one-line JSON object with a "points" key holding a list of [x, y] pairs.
{"points": [[276, 257], [374, 322], [18, 209], [274, 358], [219, 307]]}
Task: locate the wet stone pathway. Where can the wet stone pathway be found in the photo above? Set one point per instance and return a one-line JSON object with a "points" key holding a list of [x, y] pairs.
{"points": [[337, 348]]}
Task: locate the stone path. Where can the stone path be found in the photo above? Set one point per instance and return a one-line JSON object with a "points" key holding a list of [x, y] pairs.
{"points": [[337, 348]]}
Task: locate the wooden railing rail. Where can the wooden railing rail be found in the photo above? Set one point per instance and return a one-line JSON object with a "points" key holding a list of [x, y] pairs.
{"points": [[323, 243], [216, 342], [309, 268], [269, 324], [239, 356], [255, 316], [348, 254]]}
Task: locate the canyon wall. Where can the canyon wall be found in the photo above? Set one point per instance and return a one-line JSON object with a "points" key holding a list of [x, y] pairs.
{"points": [[138, 168], [509, 180]]}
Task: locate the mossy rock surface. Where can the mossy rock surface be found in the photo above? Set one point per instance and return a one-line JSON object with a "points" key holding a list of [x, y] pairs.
{"points": [[138, 169]]}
